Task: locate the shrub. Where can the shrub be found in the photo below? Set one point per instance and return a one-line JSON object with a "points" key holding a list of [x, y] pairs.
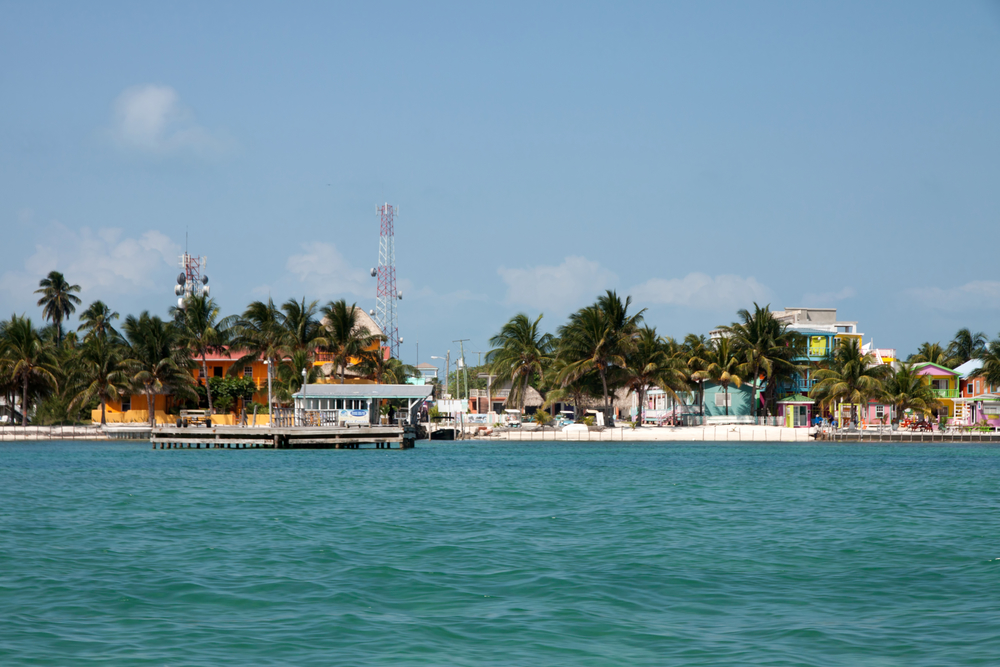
{"points": [[541, 417]]}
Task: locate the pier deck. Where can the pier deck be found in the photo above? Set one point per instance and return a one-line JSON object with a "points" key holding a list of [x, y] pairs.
{"points": [[299, 437]]}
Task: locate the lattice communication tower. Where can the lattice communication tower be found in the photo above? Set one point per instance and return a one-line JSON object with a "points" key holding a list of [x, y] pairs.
{"points": [[192, 280], [387, 295]]}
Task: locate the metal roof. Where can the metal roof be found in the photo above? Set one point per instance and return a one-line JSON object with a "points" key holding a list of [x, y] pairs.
{"points": [[969, 367], [365, 391], [797, 398]]}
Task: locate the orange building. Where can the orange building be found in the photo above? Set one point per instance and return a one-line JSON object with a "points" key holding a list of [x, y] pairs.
{"points": [[134, 408]]}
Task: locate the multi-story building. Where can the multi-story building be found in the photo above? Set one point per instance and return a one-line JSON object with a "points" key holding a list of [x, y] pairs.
{"points": [[978, 400], [823, 332]]}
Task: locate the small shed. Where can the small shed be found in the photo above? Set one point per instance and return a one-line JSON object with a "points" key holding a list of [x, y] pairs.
{"points": [[342, 404], [796, 410]]}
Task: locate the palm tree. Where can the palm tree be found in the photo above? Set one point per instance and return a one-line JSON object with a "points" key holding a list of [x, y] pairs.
{"points": [[260, 333], [853, 377], [105, 374], [933, 353], [156, 363], [386, 370], [967, 345], [58, 299], [305, 330], [199, 332], [764, 343], [695, 351], [96, 321], [346, 337], [722, 366], [520, 352], [26, 358], [990, 370], [598, 338], [576, 391], [650, 363], [290, 376], [909, 391]]}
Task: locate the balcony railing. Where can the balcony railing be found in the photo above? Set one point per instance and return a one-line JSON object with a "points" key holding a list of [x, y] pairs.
{"points": [[481, 393], [946, 393]]}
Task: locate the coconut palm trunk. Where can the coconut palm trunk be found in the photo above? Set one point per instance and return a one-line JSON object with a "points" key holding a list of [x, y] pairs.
{"points": [[151, 403], [604, 386], [24, 401], [208, 388]]}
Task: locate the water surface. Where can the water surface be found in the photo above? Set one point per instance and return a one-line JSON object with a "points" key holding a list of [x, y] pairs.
{"points": [[500, 554]]}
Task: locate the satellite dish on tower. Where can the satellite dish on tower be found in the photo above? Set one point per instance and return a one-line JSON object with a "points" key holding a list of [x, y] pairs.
{"points": [[374, 273]]}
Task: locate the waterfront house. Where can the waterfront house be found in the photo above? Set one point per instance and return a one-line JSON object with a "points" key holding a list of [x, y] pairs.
{"points": [[822, 332], [796, 411], [945, 383], [427, 371], [978, 400]]}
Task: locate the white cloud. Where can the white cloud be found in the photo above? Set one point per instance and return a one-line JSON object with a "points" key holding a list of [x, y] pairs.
{"points": [[978, 294], [574, 281], [701, 291], [150, 118], [102, 262], [326, 273], [820, 298]]}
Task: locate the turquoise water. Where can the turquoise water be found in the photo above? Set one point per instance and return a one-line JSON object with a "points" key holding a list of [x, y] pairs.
{"points": [[500, 554]]}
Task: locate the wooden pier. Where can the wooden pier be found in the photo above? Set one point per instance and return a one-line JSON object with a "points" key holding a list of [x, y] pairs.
{"points": [[299, 437]]}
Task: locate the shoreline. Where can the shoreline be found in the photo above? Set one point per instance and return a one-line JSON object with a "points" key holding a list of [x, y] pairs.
{"points": [[714, 433]]}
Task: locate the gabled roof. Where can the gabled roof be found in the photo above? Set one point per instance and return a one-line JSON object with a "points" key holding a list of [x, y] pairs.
{"points": [[969, 367], [928, 368], [426, 365], [797, 398]]}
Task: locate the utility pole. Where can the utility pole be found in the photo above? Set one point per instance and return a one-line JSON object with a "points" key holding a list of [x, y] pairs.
{"points": [[447, 369], [465, 370]]}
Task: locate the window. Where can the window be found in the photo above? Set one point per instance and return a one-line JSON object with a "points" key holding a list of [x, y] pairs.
{"points": [[977, 387], [879, 411], [722, 400], [817, 346], [248, 372], [217, 371], [201, 372], [126, 403]]}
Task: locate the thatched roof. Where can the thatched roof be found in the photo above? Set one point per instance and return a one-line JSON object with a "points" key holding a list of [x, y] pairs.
{"points": [[364, 320]]}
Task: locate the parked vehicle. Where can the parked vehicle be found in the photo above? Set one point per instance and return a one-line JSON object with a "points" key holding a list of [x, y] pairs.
{"points": [[512, 418]]}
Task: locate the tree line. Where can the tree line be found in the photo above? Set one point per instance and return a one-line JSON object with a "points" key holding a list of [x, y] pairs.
{"points": [[60, 376], [604, 347]]}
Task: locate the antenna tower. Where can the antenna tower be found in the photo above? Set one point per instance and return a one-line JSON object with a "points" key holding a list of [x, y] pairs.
{"points": [[387, 295], [192, 281]]}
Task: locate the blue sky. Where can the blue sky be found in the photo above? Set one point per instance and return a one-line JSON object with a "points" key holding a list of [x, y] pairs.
{"points": [[697, 156]]}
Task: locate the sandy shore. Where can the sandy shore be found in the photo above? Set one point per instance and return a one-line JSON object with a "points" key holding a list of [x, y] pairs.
{"points": [[722, 433]]}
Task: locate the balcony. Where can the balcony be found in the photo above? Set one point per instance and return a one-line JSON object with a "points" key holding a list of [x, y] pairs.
{"points": [[497, 393], [946, 393]]}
